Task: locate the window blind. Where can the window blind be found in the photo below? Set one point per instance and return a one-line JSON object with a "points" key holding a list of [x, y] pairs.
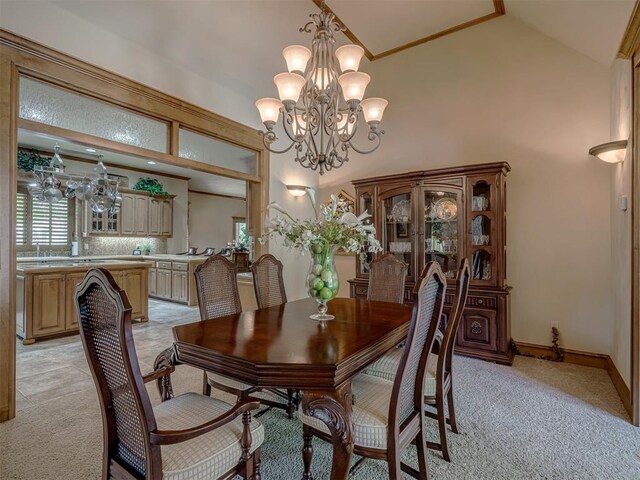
{"points": [[50, 222], [21, 219]]}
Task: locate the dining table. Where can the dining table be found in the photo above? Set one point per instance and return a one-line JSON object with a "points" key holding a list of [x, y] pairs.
{"points": [[281, 347]]}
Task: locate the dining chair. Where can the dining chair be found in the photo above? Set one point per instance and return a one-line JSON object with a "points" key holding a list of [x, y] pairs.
{"points": [[386, 279], [438, 384], [185, 437], [268, 282], [218, 296], [388, 416]]}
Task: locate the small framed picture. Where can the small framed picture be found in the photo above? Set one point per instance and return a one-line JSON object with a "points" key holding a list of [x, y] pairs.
{"points": [[402, 230], [137, 253]]}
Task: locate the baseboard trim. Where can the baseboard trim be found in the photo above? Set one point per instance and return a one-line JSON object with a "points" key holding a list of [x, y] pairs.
{"points": [[620, 385], [586, 359]]}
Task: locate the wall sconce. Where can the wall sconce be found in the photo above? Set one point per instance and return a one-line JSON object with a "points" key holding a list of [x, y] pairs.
{"points": [[297, 190], [610, 152]]}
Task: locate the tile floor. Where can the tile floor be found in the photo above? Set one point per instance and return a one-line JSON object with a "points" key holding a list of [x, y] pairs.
{"points": [[51, 369]]}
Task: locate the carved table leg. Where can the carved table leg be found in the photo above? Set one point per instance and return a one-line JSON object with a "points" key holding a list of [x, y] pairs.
{"points": [[334, 408]]}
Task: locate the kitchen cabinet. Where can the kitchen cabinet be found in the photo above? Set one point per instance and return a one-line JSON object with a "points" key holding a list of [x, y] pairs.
{"points": [[163, 283], [71, 317], [179, 286], [133, 214], [46, 296], [49, 309], [140, 215], [443, 216], [174, 281], [160, 215], [100, 223], [153, 275]]}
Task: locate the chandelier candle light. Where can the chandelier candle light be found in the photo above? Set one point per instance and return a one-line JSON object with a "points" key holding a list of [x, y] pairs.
{"points": [[321, 98], [322, 236]]}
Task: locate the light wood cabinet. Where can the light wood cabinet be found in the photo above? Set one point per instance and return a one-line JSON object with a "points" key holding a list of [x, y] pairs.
{"points": [[153, 275], [163, 283], [179, 286], [161, 216], [72, 281], [133, 213], [155, 213], [46, 299], [48, 303], [166, 223], [140, 215], [134, 282]]}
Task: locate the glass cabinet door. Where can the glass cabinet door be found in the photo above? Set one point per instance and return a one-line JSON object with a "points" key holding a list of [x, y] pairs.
{"points": [[397, 236], [364, 203], [482, 239], [443, 238]]}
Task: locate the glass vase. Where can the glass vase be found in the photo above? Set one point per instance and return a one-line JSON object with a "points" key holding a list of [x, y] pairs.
{"points": [[322, 280]]}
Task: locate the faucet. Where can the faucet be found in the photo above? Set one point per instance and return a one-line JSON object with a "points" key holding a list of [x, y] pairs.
{"points": [[37, 249]]}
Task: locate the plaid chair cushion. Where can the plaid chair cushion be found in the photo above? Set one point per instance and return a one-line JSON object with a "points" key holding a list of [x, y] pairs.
{"points": [[208, 456], [370, 411], [387, 366]]}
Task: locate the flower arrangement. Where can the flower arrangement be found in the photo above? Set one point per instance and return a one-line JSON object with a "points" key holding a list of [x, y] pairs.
{"points": [[322, 236], [328, 228]]}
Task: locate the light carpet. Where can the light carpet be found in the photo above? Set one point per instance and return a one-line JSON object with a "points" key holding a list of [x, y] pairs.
{"points": [[535, 420]]}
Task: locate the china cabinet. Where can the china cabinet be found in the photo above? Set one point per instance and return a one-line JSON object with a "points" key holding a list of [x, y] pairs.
{"points": [[445, 215]]}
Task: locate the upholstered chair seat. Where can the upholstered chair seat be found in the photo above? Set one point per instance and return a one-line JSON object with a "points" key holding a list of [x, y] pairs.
{"points": [[387, 366], [210, 455], [370, 412]]}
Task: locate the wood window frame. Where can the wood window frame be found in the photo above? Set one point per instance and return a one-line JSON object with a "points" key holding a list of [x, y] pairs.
{"points": [[236, 221], [20, 56]]}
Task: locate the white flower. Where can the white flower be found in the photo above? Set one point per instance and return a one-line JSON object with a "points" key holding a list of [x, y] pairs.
{"points": [[349, 219]]}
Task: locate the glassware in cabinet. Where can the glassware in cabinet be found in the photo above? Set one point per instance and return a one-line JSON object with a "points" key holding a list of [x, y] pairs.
{"points": [[442, 212], [397, 235]]}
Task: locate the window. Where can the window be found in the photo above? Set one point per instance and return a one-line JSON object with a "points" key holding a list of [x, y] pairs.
{"points": [[42, 223], [240, 230]]}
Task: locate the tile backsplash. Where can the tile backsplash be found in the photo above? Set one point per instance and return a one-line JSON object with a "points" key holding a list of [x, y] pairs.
{"points": [[118, 245]]}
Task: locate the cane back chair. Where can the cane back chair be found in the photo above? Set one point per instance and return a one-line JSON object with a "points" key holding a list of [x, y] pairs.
{"points": [[386, 279], [438, 384], [178, 439], [218, 296], [389, 416]]}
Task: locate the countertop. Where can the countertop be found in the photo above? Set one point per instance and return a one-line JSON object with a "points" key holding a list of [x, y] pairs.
{"points": [[81, 266], [133, 258]]}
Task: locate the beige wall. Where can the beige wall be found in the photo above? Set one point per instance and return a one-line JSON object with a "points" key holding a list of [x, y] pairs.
{"points": [[621, 238], [501, 91], [210, 220]]}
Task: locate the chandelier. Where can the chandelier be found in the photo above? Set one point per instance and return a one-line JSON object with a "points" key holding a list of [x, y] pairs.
{"points": [[97, 188], [321, 99]]}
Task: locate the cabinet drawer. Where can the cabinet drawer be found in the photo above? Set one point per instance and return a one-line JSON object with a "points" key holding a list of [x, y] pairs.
{"points": [[478, 329], [180, 266], [164, 265], [473, 301], [361, 291]]}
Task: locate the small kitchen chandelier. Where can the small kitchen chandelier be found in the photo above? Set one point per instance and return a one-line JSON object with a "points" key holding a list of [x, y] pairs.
{"points": [[321, 99]]}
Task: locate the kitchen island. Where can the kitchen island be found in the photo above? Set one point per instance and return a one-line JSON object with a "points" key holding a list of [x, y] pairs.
{"points": [[45, 293]]}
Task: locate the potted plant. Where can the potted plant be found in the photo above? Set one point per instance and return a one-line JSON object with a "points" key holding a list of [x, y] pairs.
{"points": [[145, 246]]}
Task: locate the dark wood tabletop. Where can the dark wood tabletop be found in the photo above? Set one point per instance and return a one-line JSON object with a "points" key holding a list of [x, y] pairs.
{"points": [[282, 347]]}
